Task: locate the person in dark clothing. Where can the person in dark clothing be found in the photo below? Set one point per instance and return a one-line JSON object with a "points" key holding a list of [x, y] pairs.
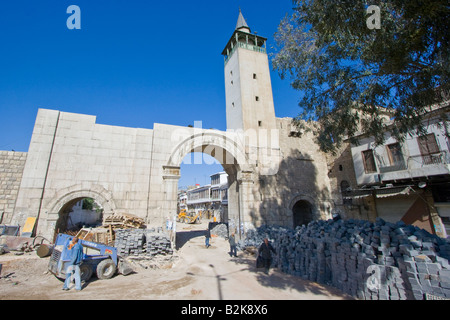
{"points": [[232, 241], [76, 257], [207, 237], [264, 253]]}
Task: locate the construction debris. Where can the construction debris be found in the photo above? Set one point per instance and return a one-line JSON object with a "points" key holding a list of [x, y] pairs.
{"points": [[372, 261], [99, 235], [219, 229], [124, 221]]}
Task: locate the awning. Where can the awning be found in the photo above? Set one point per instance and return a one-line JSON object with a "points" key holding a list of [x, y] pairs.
{"points": [[392, 192], [357, 194], [378, 193]]}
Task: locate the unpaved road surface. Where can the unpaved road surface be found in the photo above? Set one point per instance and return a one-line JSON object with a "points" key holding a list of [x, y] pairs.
{"points": [[198, 273]]}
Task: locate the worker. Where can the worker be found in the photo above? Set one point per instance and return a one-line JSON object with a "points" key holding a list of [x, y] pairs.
{"points": [[264, 253], [76, 257], [207, 237], [232, 241]]}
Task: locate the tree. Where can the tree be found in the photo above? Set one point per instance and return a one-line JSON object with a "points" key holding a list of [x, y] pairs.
{"points": [[351, 75]]}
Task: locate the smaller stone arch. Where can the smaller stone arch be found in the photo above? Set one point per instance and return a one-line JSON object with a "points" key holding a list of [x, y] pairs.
{"points": [[70, 195], [303, 209], [64, 196]]}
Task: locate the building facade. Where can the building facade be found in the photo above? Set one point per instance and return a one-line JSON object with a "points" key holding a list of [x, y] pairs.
{"points": [[211, 199], [407, 181]]}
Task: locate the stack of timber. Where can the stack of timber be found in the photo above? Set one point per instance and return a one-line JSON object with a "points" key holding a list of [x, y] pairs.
{"points": [[99, 235], [123, 221]]}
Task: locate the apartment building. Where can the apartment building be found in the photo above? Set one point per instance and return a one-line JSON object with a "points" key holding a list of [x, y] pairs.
{"points": [[408, 181]]}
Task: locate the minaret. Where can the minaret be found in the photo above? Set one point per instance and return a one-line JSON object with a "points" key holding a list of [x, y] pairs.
{"points": [[248, 89]]}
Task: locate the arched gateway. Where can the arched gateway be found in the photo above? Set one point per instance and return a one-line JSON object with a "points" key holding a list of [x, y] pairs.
{"points": [[136, 171]]}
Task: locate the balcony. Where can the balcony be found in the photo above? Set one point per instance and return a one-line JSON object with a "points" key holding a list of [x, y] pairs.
{"points": [[245, 46], [395, 167], [417, 166]]}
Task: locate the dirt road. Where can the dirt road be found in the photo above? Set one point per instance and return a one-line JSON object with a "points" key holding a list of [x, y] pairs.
{"points": [[198, 273]]}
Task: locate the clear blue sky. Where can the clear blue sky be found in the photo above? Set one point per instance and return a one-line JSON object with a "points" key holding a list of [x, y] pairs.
{"points": [[133, 63]]}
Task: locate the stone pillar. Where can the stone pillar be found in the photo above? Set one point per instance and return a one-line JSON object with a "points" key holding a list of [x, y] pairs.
{"points": [[171, 175], [246, 202]]}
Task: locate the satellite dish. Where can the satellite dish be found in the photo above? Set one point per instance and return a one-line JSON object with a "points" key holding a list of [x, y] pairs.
{"points": [[422, 185]]}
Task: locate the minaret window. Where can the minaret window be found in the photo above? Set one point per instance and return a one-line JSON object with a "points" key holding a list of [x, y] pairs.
{"points": [[256, 98], [254, 76]]}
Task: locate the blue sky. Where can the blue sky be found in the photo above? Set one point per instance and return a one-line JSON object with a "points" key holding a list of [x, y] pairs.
{"points": [[133, 63]]}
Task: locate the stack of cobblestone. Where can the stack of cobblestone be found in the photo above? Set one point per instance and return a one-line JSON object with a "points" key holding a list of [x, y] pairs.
{"points": [[142, 242], [158, 243], [379, 260]]}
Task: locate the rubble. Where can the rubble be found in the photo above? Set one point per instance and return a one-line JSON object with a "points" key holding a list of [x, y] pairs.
{"points": [[368, 260], [219, 229]]}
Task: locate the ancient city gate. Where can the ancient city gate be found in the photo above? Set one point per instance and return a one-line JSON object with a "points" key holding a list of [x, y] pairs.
{"points": [[126, 170]]}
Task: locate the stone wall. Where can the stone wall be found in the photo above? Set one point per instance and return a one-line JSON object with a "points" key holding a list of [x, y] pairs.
{"points": [[11, 169], [371, 261]]}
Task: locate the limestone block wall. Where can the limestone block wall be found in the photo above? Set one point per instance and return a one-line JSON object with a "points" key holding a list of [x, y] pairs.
{"points": [[11, 169], [302, 175], [71, 157]]}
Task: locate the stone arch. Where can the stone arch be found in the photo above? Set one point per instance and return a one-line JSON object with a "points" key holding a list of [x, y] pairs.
{"points": [[303, 208], [227, 148], [106, 203], [74, 193], [224, 146]]}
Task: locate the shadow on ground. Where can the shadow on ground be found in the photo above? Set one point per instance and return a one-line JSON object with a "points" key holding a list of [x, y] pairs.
{"points": [[282, 281], [184, 236]]}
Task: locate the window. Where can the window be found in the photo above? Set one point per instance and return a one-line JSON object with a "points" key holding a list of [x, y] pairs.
{"points": [[256, 98], [429, 149], [254, 76], [395, 154], [259, 123], [369, 161]]}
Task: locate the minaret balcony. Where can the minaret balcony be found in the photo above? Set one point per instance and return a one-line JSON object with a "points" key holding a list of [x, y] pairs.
{"points": [[244, 46]]}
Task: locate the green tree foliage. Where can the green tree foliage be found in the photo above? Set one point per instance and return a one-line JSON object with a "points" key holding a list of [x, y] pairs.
{"points": [[340, 65]]}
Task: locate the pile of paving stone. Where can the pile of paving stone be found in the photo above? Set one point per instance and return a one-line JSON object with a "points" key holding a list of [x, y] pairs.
{"points": [[367, 260], [142, 242], [158, 243]]}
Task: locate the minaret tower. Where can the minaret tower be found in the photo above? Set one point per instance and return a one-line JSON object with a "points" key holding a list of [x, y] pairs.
{"points": [[248, 89]]}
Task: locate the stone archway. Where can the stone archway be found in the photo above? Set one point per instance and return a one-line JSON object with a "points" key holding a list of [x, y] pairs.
{"points": [[68, 196], [226, 149], [303, 210], [302, 213]]}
